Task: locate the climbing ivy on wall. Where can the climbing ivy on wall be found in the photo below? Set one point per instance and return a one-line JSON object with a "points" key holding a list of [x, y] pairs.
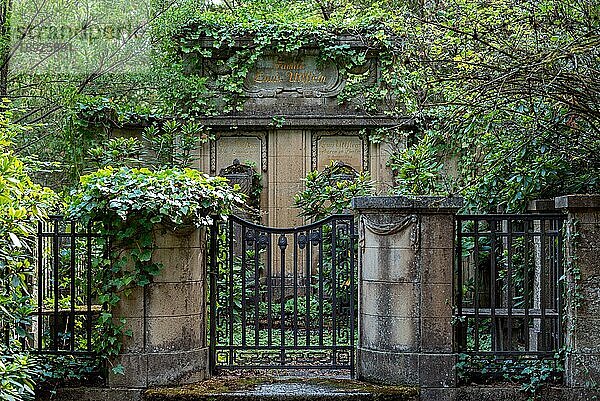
{"points": [[127, 205]]}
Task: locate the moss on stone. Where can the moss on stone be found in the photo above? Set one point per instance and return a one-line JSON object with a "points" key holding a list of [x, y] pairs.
{"points": [[246, 389]]}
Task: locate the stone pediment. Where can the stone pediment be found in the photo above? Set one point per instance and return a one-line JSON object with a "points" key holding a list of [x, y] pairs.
{"points": [[299, 82]]}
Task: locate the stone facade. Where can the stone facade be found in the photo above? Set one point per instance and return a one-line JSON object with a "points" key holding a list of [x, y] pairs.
{"points": [[405, 290], [292, 123], [167, 317]]}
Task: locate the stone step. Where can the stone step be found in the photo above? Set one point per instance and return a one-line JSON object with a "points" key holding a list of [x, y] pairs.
{"points": [[278, 389]]}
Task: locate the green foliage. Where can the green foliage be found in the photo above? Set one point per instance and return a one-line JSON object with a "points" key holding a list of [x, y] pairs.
{"points": [[531, 374], [117, 152], [127, 205], [418, 169], [22, 205], [331, 191], [17, 375], [172, 144]]}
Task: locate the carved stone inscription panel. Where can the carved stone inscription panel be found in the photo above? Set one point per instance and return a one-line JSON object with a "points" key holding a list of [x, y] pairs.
{"points": [[301, 76], [349, 149]]}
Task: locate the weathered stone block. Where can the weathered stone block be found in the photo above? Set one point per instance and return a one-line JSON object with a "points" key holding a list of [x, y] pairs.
{"points": [[437, 231], [578, 201], [135, 342], [180, 264], [588, 263], [177, 367], [131, 303], [590, 294], [589, 236], [175, 299], [93, 394], [436, 266], [588, 217], [436, 300], [437, 370], [175, 333], [389, 264], [439, 394], [165, 237], [389, 333], [405, 238], [387, 367], [586, 336], [388, 299], [135, 371], [582, 370], [436, 335], [423, 204]]}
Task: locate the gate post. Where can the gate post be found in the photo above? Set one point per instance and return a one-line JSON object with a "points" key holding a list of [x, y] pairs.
{"points": [[405, 290], [167, 317], [582, 289]]}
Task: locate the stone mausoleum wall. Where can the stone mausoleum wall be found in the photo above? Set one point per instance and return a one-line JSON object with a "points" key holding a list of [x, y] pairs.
{"points": [[292, 123]]}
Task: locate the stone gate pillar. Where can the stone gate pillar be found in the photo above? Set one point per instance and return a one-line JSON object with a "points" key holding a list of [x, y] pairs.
{"points": [[167, 317], [405, 290], [582, 292]]}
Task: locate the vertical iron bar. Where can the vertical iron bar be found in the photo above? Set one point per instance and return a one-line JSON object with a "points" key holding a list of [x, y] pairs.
{"points": [[459, 283], [295, 322], [55, 283], [334, 280], [308, 287], [526, 250], [231, 303], [560, 282], [257, 298], [352, 292], [269, 292], [543, 284], [40, 283], [243, 273], [493, 223], [214, 233], [509, 276], [88, 295], [476, 284], [321, 292], [72, 289], [282, 302]]}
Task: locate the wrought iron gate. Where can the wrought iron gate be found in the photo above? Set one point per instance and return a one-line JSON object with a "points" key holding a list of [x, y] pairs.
{"points": [[283, 298]]}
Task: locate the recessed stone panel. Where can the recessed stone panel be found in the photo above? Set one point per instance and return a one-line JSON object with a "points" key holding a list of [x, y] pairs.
{"points": [[246, 149], [344, 148]]}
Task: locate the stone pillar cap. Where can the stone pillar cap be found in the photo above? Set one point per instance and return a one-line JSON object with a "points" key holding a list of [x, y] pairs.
{"points": [[421, 203], [578, 201], [541, 205]]}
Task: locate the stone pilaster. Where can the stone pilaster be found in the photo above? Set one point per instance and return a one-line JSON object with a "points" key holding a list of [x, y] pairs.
{"points": [[167, 317], [405, 290], [582, 255]]}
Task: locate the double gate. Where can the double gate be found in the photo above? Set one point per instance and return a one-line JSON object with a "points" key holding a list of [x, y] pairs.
{"points": [[283, 298]]}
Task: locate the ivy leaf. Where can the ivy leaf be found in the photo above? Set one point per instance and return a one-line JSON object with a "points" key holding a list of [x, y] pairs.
{"points": [[118, 370]]}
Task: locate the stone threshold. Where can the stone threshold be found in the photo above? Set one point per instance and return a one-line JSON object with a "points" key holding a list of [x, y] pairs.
{"points": [[272, 389]]}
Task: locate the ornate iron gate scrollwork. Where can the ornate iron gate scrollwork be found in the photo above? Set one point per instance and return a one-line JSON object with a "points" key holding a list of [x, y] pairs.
{"points": [[283, 298]]}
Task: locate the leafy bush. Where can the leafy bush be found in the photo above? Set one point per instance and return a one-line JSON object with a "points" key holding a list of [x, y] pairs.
{"points": [[22, 204], [17, 373], [331, 191], [418, 169]]}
